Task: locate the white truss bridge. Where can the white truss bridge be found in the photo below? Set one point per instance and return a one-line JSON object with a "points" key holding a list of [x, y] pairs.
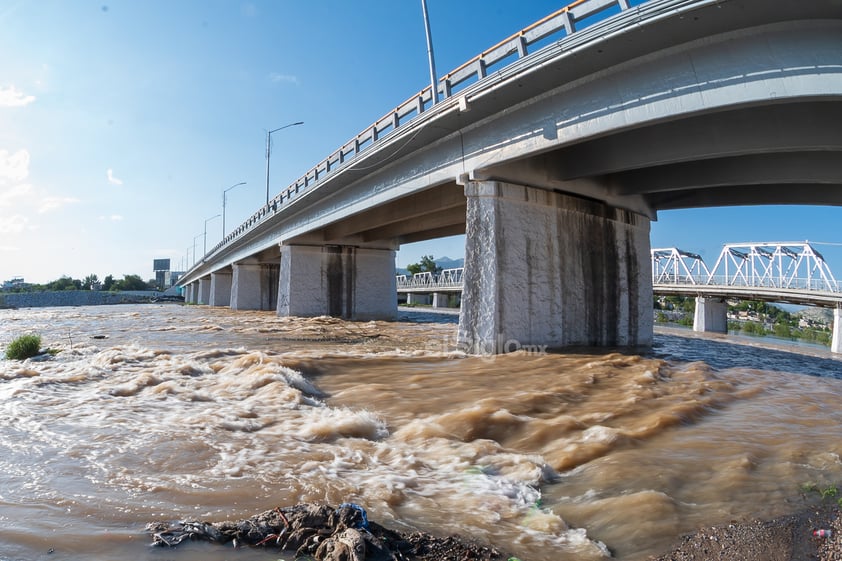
{"points": [[448, 280], [793, 272]]}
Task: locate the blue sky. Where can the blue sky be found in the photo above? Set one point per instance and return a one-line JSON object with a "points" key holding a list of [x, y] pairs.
{"points": [[121, 122]]}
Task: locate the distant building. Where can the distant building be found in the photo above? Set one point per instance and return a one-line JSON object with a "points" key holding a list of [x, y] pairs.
{"points": [[13, 283], [164, 277]]}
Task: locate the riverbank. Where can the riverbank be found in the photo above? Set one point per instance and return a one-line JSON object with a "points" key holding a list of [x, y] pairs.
{"points": [[812, 534], [62, 298]]}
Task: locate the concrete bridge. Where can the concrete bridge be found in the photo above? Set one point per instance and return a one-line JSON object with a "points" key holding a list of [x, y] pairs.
{"points": [[553, 161]]}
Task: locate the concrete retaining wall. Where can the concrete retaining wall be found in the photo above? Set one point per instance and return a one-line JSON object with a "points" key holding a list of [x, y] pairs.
{"points": [[75, 298]]}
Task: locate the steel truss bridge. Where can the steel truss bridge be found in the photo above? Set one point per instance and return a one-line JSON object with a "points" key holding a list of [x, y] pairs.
{"points": [[448, 280], [793, 272]]}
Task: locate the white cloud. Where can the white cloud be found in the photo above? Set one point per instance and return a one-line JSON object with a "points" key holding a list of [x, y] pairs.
{"points": [[276, 78], [11, 97], [111, 179], [113, 217], [53, 203], [14, 194], [13, 224], [13, 167], [8, 248]]}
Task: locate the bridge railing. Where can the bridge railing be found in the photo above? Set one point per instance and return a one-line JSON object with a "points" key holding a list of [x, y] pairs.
{"points": [[815, 285], [561, 23]]}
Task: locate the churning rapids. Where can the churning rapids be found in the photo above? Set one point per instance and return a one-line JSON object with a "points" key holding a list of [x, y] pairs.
{"points": [[167, 412]]}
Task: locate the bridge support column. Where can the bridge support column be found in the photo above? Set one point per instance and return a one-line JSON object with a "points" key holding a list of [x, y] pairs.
{"points": [[547, 269], [189, 293], [711, 315], [836, 341], [220, 288], [439, 299], [341, 281], [417, 298], [204, 290], [245, 286]]}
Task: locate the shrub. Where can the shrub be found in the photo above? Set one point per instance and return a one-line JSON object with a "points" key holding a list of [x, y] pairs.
{"points": [[23, 347]]}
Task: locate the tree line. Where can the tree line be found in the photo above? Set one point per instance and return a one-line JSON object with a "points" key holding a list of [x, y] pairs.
{"points": [[90, 282], [763, 319]]}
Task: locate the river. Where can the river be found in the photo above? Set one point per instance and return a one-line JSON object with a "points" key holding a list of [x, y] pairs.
{"points": [[167, 412]]}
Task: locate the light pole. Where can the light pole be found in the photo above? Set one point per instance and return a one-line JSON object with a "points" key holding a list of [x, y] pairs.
{"points": [[223, 205], [433, 86], [194, 247], [205, 248], [269, 151]]}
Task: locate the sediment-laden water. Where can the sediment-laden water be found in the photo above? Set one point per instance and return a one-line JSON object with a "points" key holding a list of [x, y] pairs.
{"points": [[166, 412]]}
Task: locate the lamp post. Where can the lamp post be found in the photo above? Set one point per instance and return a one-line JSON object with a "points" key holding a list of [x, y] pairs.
{"points": [[430, 56], [269, 151], [205, 248], [223, 205], [196, 237]]}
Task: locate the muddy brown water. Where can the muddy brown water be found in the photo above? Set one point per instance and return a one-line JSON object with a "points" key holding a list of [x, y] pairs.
{"points": [[168, 412]]}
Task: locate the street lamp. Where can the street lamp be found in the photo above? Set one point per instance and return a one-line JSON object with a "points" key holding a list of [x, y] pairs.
{"points": [[430, 56], [223, 205], [269, 151], [196, 237], [205, 249]]}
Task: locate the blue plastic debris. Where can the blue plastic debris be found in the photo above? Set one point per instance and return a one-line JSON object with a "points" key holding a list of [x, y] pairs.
{"points": [[361, 510]]}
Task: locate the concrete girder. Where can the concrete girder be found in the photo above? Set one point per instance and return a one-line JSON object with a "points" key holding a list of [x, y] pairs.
{"points": [[445, 218], [423, 235], [402, 212], [788, 168], [773, 129]]}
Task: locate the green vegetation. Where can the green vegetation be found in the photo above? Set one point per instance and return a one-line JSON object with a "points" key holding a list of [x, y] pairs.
{"points": [[427, 265], [828, 492], [90, 282], [25, 346], [749, 317]]}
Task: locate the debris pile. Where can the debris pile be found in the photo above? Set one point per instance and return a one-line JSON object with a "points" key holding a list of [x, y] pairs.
{"points": [[324, 533]]}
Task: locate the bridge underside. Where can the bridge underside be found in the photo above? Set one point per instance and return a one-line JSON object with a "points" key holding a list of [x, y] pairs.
{"points": [[434, 213], [784, 153]]}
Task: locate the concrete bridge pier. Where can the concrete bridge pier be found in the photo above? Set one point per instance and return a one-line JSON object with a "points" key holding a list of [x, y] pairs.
{"points": [[220, 288], [254, 285], [204, 290], [190, 293], [337, 280], [440, 299], [547, 269], [711, 315], [418, 298], [836, 340]]}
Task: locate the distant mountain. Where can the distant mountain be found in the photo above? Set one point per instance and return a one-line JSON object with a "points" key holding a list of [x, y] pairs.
{"points": [[448, 263], [441, 262]]}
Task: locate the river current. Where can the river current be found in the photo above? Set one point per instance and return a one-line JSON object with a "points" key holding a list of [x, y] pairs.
{"points": [[167, 412]]}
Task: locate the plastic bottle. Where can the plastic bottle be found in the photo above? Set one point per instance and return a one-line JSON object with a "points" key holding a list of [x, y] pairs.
{"points": [[822, 533]]}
